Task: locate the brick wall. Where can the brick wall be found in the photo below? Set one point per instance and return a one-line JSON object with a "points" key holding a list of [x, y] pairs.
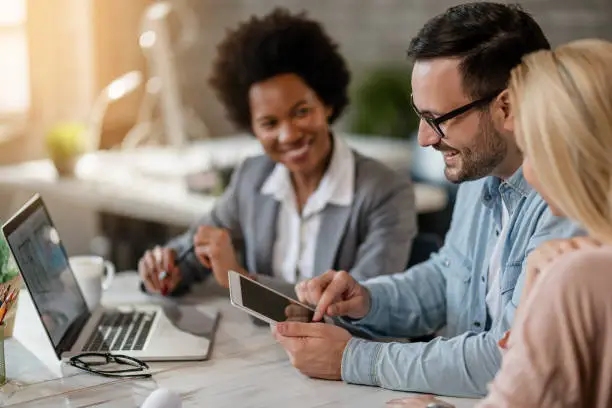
{"points": [[368, 31]]}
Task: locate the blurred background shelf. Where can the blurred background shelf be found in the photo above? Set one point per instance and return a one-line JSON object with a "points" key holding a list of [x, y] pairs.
{"points": [[139, 198]]}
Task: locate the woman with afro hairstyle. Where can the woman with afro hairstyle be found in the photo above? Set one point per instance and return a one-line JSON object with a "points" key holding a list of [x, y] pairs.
{"points": [[310, 203]]}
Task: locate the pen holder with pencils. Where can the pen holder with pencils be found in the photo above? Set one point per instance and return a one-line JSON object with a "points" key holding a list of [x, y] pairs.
{"points": [[2, 362], [13, 285]]}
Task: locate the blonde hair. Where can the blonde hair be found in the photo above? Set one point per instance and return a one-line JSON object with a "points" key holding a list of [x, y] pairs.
{"points": [[563, 107]]}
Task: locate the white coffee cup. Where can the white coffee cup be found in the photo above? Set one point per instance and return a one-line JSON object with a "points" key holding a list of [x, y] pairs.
{"points": [[89, 271]]}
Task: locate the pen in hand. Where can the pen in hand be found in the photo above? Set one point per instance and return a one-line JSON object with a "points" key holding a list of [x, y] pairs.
{"points": [[163, 275]]}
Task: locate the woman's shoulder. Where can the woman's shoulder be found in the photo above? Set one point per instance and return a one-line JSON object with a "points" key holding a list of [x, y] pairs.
{"points": [[254, 170], [372, 177], [588, 256], [573, 265], [575, 281], [260, 161]]}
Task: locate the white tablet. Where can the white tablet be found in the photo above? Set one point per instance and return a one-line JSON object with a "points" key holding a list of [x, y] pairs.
{"points": [[265, 303]]}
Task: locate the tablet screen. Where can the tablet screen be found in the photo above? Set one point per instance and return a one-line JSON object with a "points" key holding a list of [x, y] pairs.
{"points": [[272, 305]]}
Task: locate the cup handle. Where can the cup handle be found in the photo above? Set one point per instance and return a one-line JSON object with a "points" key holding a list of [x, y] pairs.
{"points": [[110, 274]]}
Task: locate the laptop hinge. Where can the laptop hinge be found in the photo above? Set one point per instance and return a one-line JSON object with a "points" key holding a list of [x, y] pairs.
{"points": [[72, 334]]}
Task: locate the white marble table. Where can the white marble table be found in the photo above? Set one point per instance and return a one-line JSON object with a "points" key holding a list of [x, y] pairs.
{"points": [[246, 369]]}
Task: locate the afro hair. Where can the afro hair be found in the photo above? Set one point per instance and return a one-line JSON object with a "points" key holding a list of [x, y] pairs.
{"points": [[278, 43]]}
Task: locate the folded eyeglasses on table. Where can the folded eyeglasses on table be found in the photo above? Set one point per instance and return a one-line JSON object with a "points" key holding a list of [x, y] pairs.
{"points": [[105, 364]]}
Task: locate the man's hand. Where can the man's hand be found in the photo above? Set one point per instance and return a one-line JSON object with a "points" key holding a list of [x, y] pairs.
{"points": [[313, 348], [335, 293], [297, 313], [157, 263], [213, 247], [420, 401]]}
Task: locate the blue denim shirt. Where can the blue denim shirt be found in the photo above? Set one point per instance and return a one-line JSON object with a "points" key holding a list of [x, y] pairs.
{"points": [[447, 293]]}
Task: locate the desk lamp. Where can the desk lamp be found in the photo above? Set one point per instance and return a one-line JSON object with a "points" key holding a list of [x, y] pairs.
{"points": [[163, 117], [117, 89]]}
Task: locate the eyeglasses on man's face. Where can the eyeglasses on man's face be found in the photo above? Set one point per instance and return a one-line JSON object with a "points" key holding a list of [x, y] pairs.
{"points": [[95, 363], [435, 123]]}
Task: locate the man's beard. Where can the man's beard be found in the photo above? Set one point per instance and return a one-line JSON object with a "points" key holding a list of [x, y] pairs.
{"points": [[488, 151]]}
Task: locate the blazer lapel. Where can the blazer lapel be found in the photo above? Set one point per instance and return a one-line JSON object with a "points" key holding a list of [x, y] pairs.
{"points": [[331, 232], [265, 214]]}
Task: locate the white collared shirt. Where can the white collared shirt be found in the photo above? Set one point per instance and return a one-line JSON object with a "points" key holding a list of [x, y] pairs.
{"points": [[296, 234]]}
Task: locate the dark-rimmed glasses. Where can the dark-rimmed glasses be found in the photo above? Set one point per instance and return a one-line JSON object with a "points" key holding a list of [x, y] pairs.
{"points": [[435, 123], [91, 361]]}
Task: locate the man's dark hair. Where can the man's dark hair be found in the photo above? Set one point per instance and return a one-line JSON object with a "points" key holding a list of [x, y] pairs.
{"points": [[278, 43], [490, 38]]}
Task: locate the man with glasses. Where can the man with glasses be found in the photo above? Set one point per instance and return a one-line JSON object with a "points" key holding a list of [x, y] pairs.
{"points": [[468, 292]]}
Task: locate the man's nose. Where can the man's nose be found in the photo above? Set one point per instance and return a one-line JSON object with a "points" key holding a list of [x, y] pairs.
{"points": [[426, 135]]}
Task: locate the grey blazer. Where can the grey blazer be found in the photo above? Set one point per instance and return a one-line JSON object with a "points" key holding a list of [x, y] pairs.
{"points": [[371, 237]]}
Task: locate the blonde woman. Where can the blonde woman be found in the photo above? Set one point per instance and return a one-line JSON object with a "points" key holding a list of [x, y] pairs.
{"points": [[559, 353]]}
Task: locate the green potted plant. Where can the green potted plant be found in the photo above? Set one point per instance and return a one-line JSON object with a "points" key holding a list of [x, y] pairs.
{"points": [[9, 277], [380, 103], [66, 142], [8, 269]]}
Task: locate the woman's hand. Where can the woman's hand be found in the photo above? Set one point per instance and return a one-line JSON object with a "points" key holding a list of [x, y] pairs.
{"points": [[158, 270], [214, 249], [537, 261], [546, 253]]}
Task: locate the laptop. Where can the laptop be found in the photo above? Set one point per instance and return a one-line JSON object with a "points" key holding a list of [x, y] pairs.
{"points": [[144, 331]]}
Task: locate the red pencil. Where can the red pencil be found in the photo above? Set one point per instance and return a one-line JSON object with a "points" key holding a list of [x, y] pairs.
{"points": [[2, 312], [10, 298], [8, 291], [7, 302], [13, 295]]}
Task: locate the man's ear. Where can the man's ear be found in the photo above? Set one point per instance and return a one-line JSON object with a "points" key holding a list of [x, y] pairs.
{"points": [[504, 112]]}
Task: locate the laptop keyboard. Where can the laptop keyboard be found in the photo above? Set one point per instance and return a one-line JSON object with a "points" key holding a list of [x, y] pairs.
{"points": [[121, 331]]}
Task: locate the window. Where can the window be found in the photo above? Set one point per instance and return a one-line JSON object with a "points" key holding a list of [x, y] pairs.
{"points": [[14, 71]]}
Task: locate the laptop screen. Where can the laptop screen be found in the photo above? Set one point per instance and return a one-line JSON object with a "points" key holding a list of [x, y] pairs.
{"points": [[44, 266]]}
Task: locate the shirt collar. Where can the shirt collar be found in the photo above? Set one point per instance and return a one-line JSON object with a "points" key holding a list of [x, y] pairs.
{"points": [[336, 187], [277, 183], [516, 183]]}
